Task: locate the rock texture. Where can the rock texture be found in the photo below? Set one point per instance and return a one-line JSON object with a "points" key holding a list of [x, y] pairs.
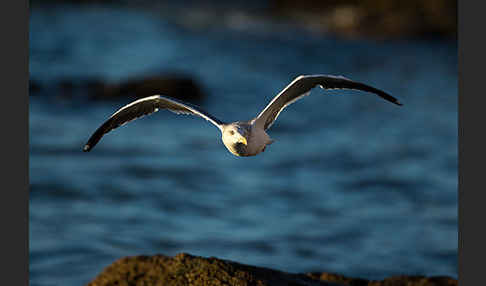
{"points": [[185, 269], [391, 281]]}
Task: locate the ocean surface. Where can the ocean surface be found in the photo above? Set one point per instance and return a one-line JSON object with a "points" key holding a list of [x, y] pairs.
{"points": [[353, 184]]}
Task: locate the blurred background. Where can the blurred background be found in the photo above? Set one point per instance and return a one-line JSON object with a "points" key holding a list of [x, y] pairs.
{"points": [[353, 184]]}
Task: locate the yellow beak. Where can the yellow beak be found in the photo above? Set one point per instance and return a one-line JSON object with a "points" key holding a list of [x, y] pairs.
{"points": [[242, 140]]}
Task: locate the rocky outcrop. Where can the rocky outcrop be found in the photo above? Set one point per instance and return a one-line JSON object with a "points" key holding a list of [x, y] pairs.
{"points": [[174, 85], [402, 280], [345, 18], [378, 18], [185, 269]]}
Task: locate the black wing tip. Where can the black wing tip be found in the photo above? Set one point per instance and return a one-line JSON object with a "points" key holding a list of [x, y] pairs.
{"points": [[86, 148], [390, 98]]}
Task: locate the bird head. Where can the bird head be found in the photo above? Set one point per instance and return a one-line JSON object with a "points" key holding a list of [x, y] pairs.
{"points": [[236, 134], [235, 138]]}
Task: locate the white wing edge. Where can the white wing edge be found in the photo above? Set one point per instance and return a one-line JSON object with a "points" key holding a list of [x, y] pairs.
{"points": [[194, 110]]}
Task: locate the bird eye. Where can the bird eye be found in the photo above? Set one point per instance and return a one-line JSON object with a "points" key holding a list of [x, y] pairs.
{"points": [[231, 132]]}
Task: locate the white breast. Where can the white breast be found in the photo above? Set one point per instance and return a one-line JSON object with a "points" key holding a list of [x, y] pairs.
{"points": [[258, 140]]}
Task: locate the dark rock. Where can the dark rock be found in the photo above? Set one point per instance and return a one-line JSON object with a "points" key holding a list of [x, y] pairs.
{"points": [[34, 87], [346, 18], [185, 269], [71, 88], [402, 280], [173, 85], [379, 18]]}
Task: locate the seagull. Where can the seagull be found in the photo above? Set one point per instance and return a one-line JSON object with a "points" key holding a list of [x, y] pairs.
{"points": [[241, 138]]}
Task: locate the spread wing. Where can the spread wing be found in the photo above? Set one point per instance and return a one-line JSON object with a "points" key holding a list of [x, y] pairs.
{"points": [[301, 87], [146, 106]]}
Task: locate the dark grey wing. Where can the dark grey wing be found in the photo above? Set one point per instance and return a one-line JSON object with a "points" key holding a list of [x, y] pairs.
{"points": [[301, 87], [146, 106]]}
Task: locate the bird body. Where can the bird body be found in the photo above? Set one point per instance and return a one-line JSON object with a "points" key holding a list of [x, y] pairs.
{"points": [[241, 138], [259, 140], [244, 138]]}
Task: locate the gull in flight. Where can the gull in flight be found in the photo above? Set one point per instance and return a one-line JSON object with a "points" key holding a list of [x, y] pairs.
{"points": [[241, 138]]}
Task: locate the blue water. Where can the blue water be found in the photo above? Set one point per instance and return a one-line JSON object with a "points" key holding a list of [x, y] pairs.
{"points": [[353, 184]]}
